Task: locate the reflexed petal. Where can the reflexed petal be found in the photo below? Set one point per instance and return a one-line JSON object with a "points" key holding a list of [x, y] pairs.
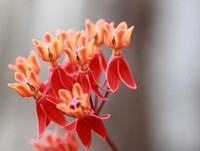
{"points": [[103, 61], [70, 127], [112, 75], [84, 133], [96, 125], [125, 74], [103, 117], [54, 100], [56, 83], [41, 120], [66, 80], [53, 113], [95, 67]]}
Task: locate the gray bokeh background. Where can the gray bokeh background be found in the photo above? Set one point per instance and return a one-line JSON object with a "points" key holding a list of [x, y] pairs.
{"points": [[164, 56]]}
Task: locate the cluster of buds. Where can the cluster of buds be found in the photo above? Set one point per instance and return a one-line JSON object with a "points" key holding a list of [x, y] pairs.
{"points": [[73, 86]]}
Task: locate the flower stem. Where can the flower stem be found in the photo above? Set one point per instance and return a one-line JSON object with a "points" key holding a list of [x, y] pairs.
{"points": [[102, 104], [111, 144]]}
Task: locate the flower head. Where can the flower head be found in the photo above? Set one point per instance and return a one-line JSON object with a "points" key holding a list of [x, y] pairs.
{"points": [[50, 49], [79, 50], [27, 84], [21, 63], [119, 37], [75, 105]]}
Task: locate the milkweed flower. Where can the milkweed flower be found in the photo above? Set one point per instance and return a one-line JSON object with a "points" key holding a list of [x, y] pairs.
{"points": [[118, 68], [50, 50], [81, 52], [95, 31], [21, 62], [30, 85], [77, 105], [53, 141]]}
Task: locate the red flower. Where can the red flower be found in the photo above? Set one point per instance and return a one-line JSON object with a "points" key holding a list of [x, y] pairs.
{"points": [[80, 52], [77, 105], [83, 127], [118, 68], [95, 31], [28, 85]]}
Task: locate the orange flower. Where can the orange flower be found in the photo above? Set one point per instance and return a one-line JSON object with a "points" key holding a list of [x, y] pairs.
{"points": [[27, 84], [49, 50], [79, 50], [75, 104], [22, 62], [117, 38]]}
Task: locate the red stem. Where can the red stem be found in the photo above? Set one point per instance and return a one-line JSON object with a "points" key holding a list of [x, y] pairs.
{"points": [[111, 144], [102, 104]]}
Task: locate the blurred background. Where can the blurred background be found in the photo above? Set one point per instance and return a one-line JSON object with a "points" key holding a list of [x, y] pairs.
{"points": [[164, 55]]}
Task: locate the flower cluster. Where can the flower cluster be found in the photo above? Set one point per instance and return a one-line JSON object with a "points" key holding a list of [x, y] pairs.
{"points": [[73, 86]]}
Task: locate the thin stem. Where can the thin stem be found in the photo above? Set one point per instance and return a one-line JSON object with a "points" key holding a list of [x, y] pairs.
{"points": [[95, 102], [102, 104], [91, 103], [111, 144]]}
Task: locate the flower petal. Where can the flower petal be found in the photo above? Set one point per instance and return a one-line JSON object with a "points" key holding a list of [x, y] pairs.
{"points": [[83, 80], [95, 67], [56, 83], [104, 117], [112, 75], [70, 127], [96, 125], [102, 61], [66, 80], [53, 113], [125, 73], [84, 132], [41, 120], [95, 86]]}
